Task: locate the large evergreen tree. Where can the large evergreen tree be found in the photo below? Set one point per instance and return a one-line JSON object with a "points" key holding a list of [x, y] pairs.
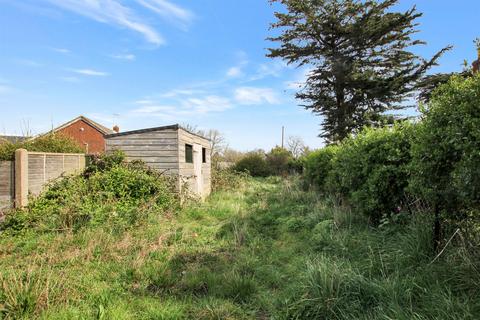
{"points": [[359, 52]]}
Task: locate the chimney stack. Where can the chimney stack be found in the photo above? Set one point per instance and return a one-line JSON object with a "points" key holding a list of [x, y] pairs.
{"points": [[116, 129]]}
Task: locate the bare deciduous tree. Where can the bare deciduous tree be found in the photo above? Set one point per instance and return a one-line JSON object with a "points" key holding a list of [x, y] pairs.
{"points": [[296, 146], [217, 139]]}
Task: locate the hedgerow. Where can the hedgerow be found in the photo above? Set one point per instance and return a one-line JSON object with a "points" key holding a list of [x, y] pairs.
{"points": [[446, 153], [370, 170], [317, 166], [53, 142], [436, 161], [253, 163]]}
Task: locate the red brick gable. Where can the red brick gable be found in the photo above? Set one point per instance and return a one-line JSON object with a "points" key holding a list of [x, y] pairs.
{"points": [[86, 135]]}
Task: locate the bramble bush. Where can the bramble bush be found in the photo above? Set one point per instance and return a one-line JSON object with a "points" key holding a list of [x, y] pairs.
{"points": [[53, 142], [227, 179], [122, 194]]}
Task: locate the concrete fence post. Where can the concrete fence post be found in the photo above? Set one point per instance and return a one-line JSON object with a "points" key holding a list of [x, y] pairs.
{"points": [[21, 178]]}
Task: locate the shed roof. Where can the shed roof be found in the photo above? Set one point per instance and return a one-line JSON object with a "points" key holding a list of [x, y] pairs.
{"points": [[170, 127]]}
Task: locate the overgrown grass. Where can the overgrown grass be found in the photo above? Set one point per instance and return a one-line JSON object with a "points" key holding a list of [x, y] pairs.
{"points": [[265, 250]]}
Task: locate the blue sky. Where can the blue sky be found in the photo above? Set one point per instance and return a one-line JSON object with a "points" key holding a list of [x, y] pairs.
{"points": [[146, 63]]}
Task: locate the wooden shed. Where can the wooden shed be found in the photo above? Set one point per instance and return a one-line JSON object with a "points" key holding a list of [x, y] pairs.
{"points": [[169, 149]]}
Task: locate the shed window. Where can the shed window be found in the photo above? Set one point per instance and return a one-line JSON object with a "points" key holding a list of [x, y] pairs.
{"points": [[204, 155], [188, 153]]}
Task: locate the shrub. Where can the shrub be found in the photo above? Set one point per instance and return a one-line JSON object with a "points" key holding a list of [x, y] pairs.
{"points": [[446, 151], [254, 163], [53, 142], [279, 160], [370, 170], [318, 165], [122, 194]]}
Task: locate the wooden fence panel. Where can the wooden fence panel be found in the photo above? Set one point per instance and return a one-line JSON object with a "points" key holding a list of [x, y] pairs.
{"points": [[7, 184]]}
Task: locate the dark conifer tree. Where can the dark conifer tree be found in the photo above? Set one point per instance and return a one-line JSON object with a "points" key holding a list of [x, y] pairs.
{"points": [[359, 52]]}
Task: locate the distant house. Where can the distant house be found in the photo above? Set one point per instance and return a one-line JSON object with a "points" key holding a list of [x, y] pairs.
{"points": [[169, 149], [88, 133], [13, 139]]}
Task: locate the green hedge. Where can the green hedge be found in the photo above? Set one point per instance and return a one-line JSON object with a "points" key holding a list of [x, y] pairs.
{"points": [[446, 150], [437, 160], [370, 170], [253, 163], [48, 143], [317, 167]]}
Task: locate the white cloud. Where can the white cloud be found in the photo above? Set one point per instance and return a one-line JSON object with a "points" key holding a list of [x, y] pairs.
{"points": [[169, 11], [272, 69], [234, 72], [111, 12], [255, 96], [127, 56], [207, 104], [237, 70], [182, 108], [181, 92], [90, 72]]}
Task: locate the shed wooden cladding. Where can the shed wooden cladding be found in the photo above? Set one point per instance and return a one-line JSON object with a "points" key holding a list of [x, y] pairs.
{"points": [[163, 149], [7, 184]]}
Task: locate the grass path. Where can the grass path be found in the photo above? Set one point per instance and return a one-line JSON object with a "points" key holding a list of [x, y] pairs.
{"points": [[267, 251]]}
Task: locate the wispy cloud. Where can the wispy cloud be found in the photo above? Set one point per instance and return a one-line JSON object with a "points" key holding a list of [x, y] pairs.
{"points": [[182, 108], [181, 92], [29, 63], [61, 50], [111, 12], [271, 69], [256, 96], [237, 70], [234, 72], [125, 56], [169, 11], [90, 72]]}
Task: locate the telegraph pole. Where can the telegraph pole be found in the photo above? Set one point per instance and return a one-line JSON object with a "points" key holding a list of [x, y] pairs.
{"points": [[283, 136]]}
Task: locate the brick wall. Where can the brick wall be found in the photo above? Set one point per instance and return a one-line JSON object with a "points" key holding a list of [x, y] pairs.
{"points": [[86, 135]]}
